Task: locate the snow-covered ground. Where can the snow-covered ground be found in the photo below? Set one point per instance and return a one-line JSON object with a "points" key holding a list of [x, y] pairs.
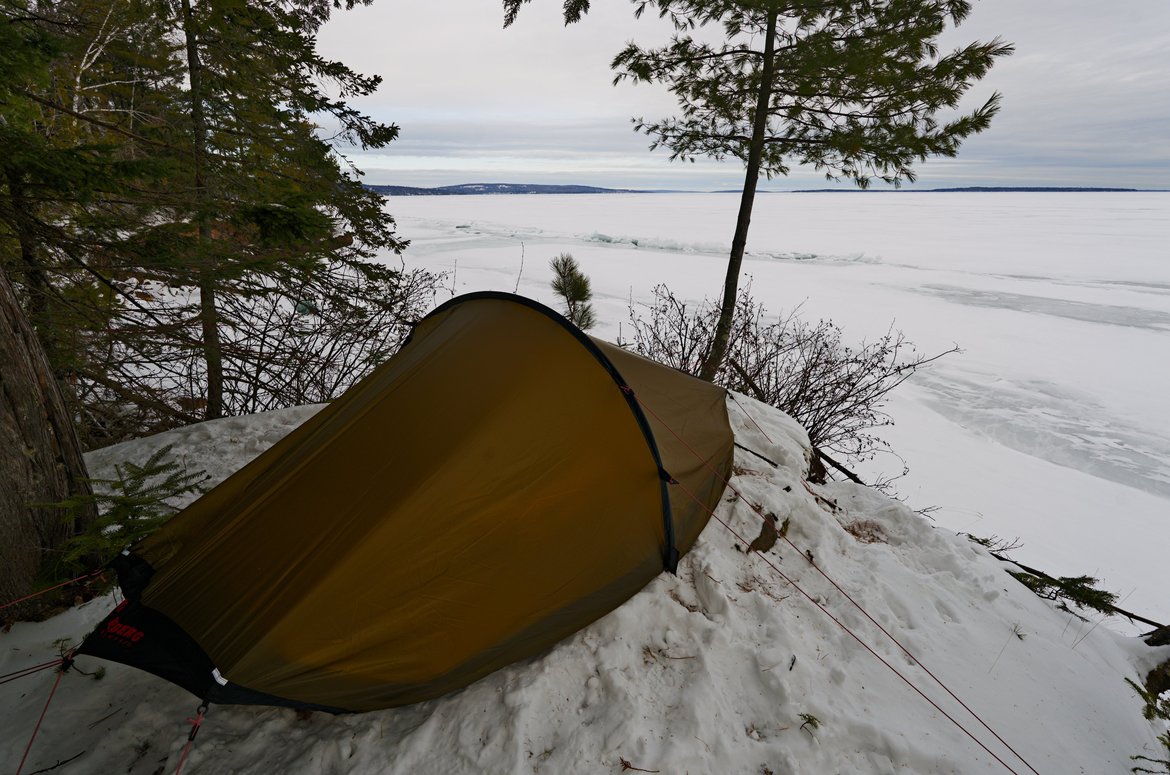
{"points": [[716, 670], [1053, 425]]}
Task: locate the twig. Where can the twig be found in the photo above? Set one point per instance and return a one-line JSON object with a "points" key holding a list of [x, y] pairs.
{"points": [[627, 766], [521, 273], [105, 125], [103, 718], [772, 463], [751, 383], [1000, 654], [60, 763], [852, 476], [1095, 625]]}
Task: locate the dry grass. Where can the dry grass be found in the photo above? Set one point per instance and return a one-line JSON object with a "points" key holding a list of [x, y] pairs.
{"points": [[866, 531]]}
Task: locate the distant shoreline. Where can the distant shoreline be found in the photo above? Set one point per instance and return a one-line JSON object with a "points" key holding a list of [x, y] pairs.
{"points": [[479, 189], [512, 189], [980, 190]]}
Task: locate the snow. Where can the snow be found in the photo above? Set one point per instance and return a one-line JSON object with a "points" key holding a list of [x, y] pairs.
{"points": [[1052, 426], [713, 670]]}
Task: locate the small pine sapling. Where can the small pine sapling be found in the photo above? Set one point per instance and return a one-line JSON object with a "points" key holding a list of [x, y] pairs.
{"points": [[571, 284], [131, 507]]}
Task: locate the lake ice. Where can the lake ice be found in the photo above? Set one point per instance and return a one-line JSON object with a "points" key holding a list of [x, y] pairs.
{"points": [[1052, 425]]}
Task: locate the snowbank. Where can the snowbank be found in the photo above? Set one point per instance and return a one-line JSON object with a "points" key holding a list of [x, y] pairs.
{"points": [[716, 670]]}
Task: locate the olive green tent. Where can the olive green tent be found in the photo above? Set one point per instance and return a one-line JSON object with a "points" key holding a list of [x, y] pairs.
{"points": [[500, 483]]}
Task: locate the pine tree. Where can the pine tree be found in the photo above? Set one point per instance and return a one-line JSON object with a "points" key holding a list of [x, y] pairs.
{"points": [[573, 286], [851, 88], [267, 202], [197, 202], [150, 151]]}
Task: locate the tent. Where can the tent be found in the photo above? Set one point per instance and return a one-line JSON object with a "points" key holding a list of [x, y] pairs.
{"points": [[501, 482]]}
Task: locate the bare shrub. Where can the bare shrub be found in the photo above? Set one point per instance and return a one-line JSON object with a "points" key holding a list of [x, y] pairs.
{"points": [[836, 391], [300, 339]]}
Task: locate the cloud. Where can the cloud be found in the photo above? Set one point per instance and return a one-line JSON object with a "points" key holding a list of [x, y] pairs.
{"points": [[1086, 96]]}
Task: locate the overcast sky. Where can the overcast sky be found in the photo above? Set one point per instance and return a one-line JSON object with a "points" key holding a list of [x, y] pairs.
{"points": [[1086, 97]]}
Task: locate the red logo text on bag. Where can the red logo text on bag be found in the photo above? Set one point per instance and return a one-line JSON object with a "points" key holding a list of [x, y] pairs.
{"points": [[122, 633]]}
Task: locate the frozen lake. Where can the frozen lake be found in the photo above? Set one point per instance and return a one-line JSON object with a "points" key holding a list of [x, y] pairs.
{"points": [[1052, 425]]}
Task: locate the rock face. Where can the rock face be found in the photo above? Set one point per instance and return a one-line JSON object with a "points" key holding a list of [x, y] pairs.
{"points": [[40, 459], [1158, 679]]}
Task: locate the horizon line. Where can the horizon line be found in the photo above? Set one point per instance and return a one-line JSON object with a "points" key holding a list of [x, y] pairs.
{"points": [[456, 189]]}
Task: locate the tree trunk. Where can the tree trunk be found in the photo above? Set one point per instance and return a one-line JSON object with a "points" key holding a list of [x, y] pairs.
{"points": [[718, 351], [208, 314], [212, 348], [35, 282], [40, 458]]}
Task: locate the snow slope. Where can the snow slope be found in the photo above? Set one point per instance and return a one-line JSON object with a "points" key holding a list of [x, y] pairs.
{"points": [[715, 670]]}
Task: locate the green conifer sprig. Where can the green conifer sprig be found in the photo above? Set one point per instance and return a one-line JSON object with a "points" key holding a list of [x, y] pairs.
{"points": [[1156, 707], [1164, 739], [573, 286], [1080, 590], [131, 506]]}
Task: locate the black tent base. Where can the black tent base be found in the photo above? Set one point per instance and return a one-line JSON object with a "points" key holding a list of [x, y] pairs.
{"points": [[139, 636]]}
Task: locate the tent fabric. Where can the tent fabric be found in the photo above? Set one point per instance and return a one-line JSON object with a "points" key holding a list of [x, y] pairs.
{"points": [[483, 494]]}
